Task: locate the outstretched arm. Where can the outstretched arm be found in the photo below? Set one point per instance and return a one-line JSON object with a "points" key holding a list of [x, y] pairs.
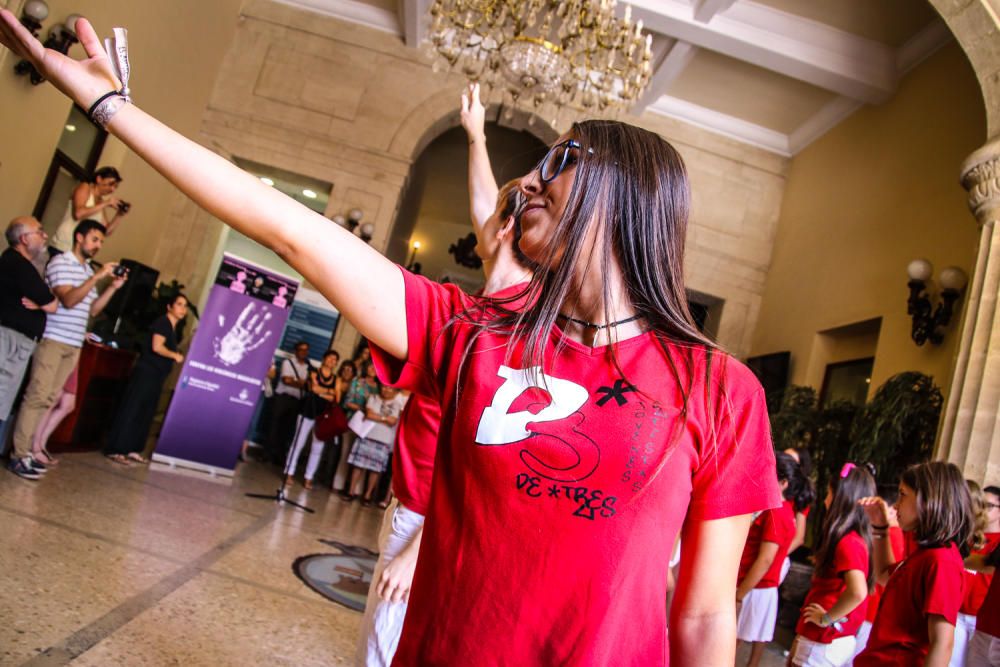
{"points": [[482, 185], [328, 256]]}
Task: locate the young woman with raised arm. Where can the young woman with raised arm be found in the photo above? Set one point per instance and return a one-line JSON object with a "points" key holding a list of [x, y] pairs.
{"points": [[586, 421]]}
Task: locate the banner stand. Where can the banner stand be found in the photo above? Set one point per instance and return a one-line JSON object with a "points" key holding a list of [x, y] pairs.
{"points": [[172, 464]]}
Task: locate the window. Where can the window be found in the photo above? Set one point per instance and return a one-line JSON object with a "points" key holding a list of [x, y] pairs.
{"points": [[847, 381]]}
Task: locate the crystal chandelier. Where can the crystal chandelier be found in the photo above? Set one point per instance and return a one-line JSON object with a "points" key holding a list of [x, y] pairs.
{"points": [[558, 53]]}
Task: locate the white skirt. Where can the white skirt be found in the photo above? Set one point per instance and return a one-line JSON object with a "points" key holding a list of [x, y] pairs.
{"points": [[984, 650], [758, 615], [809, 653]]}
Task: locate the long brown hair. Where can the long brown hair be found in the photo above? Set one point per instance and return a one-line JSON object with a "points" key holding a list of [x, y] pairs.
{"points": [[846, 516], [633, 184], [944, 508]]}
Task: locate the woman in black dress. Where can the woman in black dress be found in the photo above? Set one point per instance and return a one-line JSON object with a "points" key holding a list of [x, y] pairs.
{"points": [[135, 415]]}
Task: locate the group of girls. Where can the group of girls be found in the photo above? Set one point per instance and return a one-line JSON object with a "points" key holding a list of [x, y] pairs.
{"points": [[877, 597]]}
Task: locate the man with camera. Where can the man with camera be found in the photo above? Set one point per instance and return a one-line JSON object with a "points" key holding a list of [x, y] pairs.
{"points": [[93, 199], [74, 282]]}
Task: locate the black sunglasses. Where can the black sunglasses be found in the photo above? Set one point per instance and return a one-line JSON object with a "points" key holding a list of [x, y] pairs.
{"points": [[562, 155]]}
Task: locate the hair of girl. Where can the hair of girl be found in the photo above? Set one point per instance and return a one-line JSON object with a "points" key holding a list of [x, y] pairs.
{"points": [[805, 460], [846, 516], [980, 515], [788, 470], [632, 186], [944, 508]]}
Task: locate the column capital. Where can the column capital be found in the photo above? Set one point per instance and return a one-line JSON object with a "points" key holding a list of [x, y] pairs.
{"points": [[981, 177]]}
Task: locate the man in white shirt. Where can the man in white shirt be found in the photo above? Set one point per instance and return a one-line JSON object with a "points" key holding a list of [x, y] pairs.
{"points": [[292, 377], [74, 283]]}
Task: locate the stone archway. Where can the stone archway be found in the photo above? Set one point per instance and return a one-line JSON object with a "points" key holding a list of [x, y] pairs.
{"points": [[970, 432]]}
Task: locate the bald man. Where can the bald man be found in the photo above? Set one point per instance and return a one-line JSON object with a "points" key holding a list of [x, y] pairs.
{"points": [[24, 301]]}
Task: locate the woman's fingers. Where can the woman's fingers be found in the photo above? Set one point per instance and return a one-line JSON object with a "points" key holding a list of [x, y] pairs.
{"points": [[89, 40], [15, 36]]}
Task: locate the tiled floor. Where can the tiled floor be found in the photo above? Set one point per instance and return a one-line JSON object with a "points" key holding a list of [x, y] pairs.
{"points": [[104, 565]]}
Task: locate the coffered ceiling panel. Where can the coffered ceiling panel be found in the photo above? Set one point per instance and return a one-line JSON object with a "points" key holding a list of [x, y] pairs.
{"points": [[748, 92], [891, 22]]}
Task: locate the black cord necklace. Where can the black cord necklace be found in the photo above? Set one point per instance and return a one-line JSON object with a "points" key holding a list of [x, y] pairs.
{"points": [[598, 327]]}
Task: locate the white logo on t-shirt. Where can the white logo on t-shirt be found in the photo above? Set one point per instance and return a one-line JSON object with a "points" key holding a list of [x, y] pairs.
{"points": [[497, 426]]}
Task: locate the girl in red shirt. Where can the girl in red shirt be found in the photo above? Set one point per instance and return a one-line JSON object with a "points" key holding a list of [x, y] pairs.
{"points": [[760, 567], [834, 607], [915, 624], [582, 429], [976, 584], [984, 649]]}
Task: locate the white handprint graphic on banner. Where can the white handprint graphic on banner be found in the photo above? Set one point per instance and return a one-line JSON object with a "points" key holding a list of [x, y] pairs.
{"points": [[244, 337]]}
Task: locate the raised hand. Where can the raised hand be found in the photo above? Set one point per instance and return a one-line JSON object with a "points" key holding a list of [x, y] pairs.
{"points": [[82, 80], [473, 113], [876, 510]]}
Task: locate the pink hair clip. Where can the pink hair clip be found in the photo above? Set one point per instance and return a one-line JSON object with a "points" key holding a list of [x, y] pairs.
{"points": [[846, 470]]}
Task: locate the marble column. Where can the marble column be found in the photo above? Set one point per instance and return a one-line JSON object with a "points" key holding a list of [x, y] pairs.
{"points": [[970, 434]]}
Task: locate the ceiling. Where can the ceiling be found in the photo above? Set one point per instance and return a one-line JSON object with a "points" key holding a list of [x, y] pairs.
{"points": [[776, 74]]}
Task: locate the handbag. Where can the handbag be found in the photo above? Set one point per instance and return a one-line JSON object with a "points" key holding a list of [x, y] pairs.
{"points": [[330, 423]]}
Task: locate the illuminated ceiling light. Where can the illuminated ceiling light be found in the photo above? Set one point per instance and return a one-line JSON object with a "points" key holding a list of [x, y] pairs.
{"points": [[266, 181], [309, 193], [71, 128]]}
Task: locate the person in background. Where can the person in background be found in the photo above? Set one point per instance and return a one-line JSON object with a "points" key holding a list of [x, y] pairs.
{"points": [[835, 608], [371, 452], [492, 211], [361, 387], [889, 493], [138, 407], [74, 282], [24, 301], [321, 390], [760, 566], [286, 402], [984, 649], [91, 199], [916, 619], [975, 585], [804, 459]]}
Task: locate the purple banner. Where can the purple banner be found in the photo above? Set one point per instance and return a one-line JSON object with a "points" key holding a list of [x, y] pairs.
{"points": [[220, 382]]}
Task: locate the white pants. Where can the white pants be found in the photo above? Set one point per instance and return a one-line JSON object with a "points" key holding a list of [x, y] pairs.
{"points": [[383, 621], [862, 638], [965, 627], [304, 432], [808, 653], [786, 565], [758, 615], [984, 651]]}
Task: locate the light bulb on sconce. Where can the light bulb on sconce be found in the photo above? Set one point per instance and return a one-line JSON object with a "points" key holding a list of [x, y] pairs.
{"points": [[60, 38], [351, 221], [411, 262], [929, 322]]}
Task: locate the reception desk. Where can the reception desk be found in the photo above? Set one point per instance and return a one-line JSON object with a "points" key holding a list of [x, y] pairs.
{"points": [[104, 373]]}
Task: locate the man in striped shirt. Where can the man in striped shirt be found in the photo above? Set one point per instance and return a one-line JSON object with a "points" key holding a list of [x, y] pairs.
{"points": [[74, 283]]}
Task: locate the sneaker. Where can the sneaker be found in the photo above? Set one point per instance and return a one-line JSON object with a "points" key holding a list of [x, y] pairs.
{"points": [[22, 469], [37, 465]]}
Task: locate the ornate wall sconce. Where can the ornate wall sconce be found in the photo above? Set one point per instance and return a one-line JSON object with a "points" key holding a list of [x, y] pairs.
{"points": [[464, 251], [352, 221], [929, 322], [61, 37]]}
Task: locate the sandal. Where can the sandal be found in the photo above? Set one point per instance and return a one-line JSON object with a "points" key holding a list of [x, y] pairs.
{"points": [[307, 485], [120, 459], [348, 497], [137, 457], [384, 504]]}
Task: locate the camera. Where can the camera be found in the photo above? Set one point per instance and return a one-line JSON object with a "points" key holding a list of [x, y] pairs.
{"points": [[124, 206], [120, 271]]}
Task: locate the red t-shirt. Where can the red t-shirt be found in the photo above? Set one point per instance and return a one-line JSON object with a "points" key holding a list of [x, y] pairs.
{"points": [[851, 553], [898, 544], [988, 619], [976, 584], [549, 530], [928, 582], [413, 460], [778, 526]]}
